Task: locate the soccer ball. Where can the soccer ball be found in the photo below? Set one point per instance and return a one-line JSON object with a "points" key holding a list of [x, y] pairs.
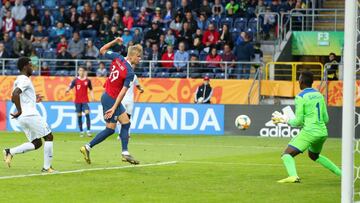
{"points": [[242, 122]]}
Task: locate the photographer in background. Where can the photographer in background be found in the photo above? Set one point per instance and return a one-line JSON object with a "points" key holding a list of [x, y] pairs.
{"points": [[204, 92]]}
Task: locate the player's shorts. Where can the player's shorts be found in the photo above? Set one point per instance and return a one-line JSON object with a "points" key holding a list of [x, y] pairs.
{"points": [[107, 102], [129, 107], [305, 141], [81, 107], [34, 127]]}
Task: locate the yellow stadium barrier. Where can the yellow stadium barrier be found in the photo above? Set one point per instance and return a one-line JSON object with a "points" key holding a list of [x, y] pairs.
{"points": [[294, 69]]}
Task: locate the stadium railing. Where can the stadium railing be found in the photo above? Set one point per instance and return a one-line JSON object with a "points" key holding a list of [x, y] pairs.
{"points": [[280, 70]]}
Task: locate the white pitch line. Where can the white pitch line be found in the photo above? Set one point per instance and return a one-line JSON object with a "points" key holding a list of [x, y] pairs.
{"points": [[217, 146], [89, 169], [242, 164]]}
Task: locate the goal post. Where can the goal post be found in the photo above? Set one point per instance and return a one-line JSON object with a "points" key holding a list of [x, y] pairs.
{"points": [[348, 112]]}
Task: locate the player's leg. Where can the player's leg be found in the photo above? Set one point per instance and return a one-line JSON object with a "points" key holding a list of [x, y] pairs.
{"points": [[296, 146], [87, 116], [124, 120], [78, 110], [48, 153], [107, 103], [314, 154]]}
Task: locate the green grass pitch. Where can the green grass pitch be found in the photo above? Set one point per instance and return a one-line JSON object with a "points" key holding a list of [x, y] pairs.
{"points": [[207, 169]]}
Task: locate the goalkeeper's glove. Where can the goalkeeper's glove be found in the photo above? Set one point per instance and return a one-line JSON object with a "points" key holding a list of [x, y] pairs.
{"points": [[278, 117]]}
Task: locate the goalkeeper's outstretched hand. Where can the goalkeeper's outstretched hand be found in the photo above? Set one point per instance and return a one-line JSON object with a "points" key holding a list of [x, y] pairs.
{"points": [[278, 117]]}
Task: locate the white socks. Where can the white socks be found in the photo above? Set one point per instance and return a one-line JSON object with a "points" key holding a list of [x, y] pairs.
{"points": [[125, 153], [28, 146], [48, 154]]}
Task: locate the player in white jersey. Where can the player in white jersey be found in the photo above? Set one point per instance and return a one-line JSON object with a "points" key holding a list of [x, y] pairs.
{"points": [[29, 118], [128, 100]]}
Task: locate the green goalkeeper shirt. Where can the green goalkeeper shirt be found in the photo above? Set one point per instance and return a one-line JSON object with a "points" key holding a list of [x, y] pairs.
{"points": [[310, 112]]}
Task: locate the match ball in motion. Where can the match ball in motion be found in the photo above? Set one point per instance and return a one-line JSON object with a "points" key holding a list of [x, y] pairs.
{"points": [[242, 122]]}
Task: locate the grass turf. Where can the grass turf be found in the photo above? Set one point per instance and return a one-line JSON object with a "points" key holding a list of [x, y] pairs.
{"points": [[209, 169]]}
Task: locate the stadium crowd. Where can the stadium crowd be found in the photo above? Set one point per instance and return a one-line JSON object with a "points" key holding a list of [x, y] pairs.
{"points": [[173, 30]]}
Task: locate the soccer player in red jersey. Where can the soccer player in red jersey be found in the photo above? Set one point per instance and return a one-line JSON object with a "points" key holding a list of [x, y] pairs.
{"points": [[82, 84], [116, 86]]}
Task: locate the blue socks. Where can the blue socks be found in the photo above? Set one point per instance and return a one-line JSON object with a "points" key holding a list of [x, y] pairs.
{"points": [[101, 136], [80, 123], [88, 121], [124, 136]]}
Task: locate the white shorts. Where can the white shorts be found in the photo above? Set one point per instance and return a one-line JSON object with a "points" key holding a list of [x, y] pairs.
{"points": [[34, 127], [129, 106]]}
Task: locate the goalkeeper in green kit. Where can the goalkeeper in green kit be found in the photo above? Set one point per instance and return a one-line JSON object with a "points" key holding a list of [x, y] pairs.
{"points": [[311, 115]]}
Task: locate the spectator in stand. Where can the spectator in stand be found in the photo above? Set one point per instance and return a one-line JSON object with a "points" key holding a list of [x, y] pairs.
{"points": [[63, 65], [3, 53], [117, 21], [105, 28], [127, 37], [211, 36], [142, 18], [231, 8], [112, 34], [190, 19], [81, 25], [21, 46], [91, 51], [186, 35], [128, 20], [6, 7], [86, 12], [168, 13], [101, 71], [260, 8], [32, 16], [115, 9], [288, 5], [275, 6], [41, 38], [150, 5], [49, 3], [258, 55], [242, 12], [202, 22], [181, 58], [34, 60], [229, 57], [45, 70], [162, 44], [205, 8], [217, 9], [47, 20], [212, 60], [204, 92], [269, 22], [168, 56], [8, 44], [93, 24], [137, 37], [18, 12], [158, 17], [301, 4], [72, 18], [184, 7], [198, 33], [225, 37], [169, 38], [176, 25], [62, 43], [9, 24], [194, 65], [28, 32], [154, 56], [76, 46], [244, 52], [240, 38], [154, 33], [99, 9], [334, 68], [61, 16], [197, 45], [60, 29]]}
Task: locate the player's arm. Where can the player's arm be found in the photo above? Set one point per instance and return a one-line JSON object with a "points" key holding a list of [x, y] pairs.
{"points": [[137, 84], [324, 113], [107, 46], [196, 99], [91, 91], [15, 98], [209, 96], [72, 85], [299, 113]]}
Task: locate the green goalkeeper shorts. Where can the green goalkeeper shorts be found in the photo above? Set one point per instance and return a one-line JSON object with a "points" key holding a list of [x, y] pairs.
{"points": [[306, 141]]}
